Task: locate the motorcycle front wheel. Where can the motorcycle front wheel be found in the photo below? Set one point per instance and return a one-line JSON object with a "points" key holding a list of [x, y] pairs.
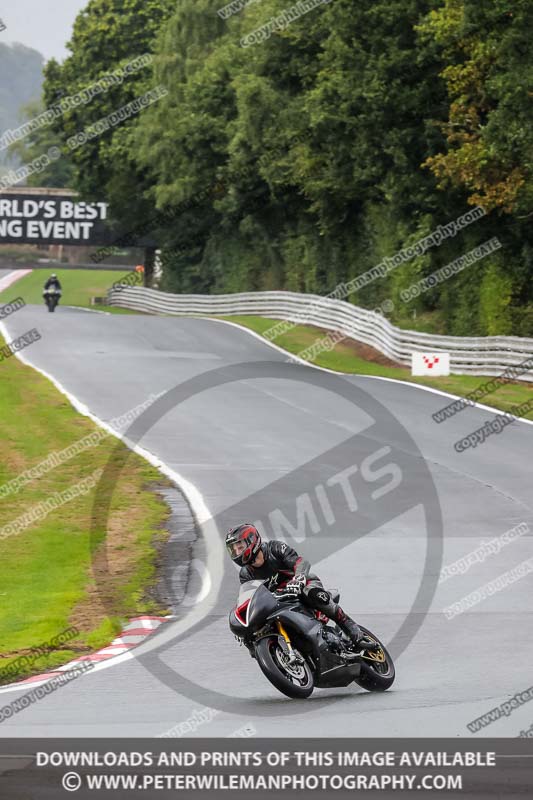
{"points": [[293, 680]]}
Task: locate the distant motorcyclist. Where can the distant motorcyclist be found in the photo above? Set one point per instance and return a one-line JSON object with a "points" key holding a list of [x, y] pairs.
{"points": [[284, 570], [52, 283]]}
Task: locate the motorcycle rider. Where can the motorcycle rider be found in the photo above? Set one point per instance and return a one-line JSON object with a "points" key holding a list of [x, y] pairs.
{"points": [[52, 282], [280, 565]]}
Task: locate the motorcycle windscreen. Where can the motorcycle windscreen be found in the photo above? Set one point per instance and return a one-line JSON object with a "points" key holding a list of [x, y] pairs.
{"points": [[247, 591]]}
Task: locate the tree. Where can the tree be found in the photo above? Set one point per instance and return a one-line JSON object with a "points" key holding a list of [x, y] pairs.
{"points": [[108, 35], [300, 156], [489, 131]]}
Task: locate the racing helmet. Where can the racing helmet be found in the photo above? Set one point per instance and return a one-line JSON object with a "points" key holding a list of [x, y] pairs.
{"points": [[243, 543]]}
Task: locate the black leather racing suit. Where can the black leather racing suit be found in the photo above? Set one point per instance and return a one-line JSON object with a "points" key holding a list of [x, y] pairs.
{"points": [[282, 563], [52, 282]]}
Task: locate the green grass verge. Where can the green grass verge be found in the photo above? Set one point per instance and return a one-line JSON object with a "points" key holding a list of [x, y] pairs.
{"points": [[78, 285], [343, 359], [48, 582]]}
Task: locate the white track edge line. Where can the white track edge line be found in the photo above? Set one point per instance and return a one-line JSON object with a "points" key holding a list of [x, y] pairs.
{"points": [[203, 518], [356, 374], [88, 310], [194, 497]]}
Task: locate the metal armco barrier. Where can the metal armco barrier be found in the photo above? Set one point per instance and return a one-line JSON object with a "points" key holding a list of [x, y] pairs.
{"points": [[489, 355]]}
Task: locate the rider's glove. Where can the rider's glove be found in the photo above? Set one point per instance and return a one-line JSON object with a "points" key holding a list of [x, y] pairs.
{"points": [[295, 585]]}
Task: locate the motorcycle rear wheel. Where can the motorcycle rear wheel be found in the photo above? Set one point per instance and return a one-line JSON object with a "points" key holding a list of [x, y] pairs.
{"points": [[376, 676], [293, 681]]}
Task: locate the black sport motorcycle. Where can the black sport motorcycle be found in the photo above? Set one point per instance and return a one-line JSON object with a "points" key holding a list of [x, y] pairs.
{"points": [[298, 648], [51, 298]]}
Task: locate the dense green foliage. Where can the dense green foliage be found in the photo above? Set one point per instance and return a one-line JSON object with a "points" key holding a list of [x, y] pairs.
{"points": [[108, 34], [301, 161]]}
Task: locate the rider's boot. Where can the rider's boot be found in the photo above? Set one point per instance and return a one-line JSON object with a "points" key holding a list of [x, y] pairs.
{"points": [[349, 627]]}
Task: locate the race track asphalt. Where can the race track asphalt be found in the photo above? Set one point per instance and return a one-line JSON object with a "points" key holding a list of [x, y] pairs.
{"points": [[377, 498]]}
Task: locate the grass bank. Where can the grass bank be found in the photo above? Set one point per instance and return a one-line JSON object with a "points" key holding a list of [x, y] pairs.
{"points": [[50, 579], [352, 357], [78, 285]]}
